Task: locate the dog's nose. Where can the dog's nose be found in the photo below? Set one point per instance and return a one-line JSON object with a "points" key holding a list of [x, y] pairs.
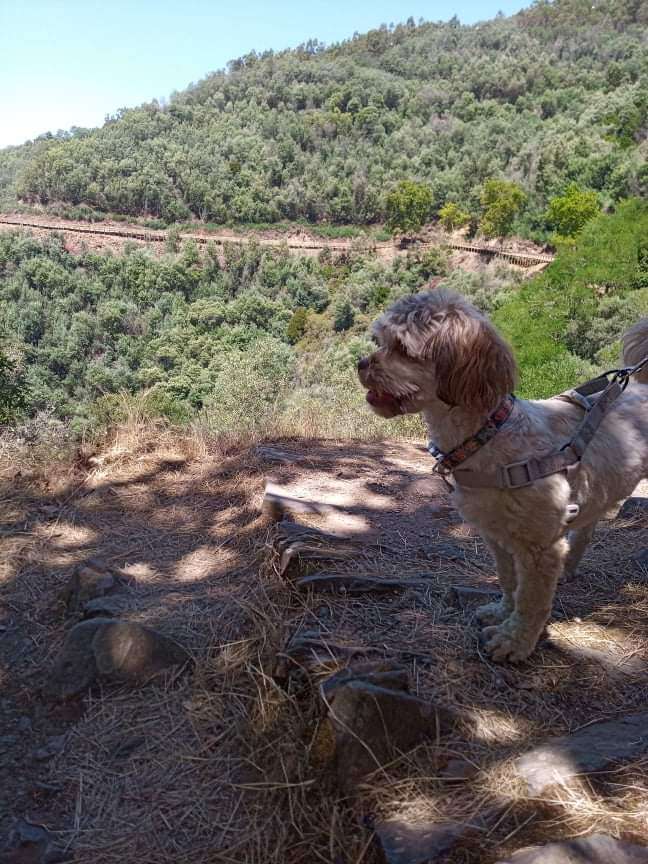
{"points": [[363, 363]]}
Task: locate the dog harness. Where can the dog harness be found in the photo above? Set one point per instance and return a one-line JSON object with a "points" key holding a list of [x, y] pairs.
{"points": [[595, 397]]}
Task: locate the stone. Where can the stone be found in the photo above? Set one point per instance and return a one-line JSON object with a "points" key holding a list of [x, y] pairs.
{"points": [[633, 507], [405, 841], [595, 849], [32, 844], [277, 504], [372, 724], [106, 606], [588, 750], [313, 653], [382, 673], [88, 581], [115, 651], [346, 583]]}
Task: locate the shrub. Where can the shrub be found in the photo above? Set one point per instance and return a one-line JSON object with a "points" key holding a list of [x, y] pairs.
{"points": [[570, 212], [13, 395], [452, 216], [343, 315], [297, 325], [501, 200], [409, 206]]}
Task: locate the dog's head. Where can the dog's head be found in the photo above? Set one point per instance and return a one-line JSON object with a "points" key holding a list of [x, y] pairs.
{"points": [[436, 346]]}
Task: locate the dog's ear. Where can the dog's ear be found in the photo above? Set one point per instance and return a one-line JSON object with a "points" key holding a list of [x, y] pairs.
{"points": [[474, 367]]}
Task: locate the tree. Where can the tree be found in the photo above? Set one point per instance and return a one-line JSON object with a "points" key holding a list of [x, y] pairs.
{"points": [[343, 315], [502, 200], [452, 216], [568, 213], [297, 325], [409, 206], [12, 392]]}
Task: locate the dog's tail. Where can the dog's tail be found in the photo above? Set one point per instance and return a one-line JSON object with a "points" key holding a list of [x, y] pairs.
{"points": [[635, 348]]}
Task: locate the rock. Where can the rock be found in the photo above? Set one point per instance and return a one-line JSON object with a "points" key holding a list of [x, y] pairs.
{"points": [[277, 503], [589, 750], [347, 583], [312, 653], [32, 844], [51, 748], [116, 651], [402, 841], [595, 849], [302, 549], [382, 673], [371, 724], [88, 581], [633, 508], [289, 532], [107, 606]]}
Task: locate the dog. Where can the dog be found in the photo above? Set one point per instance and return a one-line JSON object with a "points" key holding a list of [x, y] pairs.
{"points": [[437, 355]]}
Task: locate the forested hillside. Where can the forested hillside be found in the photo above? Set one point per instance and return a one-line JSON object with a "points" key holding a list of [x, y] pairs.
{"points": [[557, 94], [257, 340]]}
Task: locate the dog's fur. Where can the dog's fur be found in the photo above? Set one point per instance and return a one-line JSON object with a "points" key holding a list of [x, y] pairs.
{"points": [[439, 356]]}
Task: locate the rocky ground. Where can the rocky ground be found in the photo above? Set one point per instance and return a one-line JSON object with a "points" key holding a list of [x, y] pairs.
{"points": [[301, 679]]}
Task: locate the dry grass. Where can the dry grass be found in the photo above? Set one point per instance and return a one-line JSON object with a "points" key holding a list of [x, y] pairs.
{"points": [[226, 764]]}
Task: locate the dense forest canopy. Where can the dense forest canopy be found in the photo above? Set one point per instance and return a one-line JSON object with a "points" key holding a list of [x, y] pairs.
{"points": [[553, 96], [255, 336]]}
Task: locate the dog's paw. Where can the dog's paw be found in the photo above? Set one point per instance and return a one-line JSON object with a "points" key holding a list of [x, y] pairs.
{"points": [[493, 613], [507, 641]]}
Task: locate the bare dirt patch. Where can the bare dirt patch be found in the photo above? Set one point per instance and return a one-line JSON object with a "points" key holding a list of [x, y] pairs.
{"points": [[223, 763]]}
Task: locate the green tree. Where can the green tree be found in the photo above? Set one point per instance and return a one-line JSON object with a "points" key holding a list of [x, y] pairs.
{"points": [[13, 399], [343, 315], [297, 325], [568, 213], [452, 216], [409, 206], [502, 200]]}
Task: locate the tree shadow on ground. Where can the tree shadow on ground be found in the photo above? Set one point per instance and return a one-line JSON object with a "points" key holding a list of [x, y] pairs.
{"points": [[188, 536]]}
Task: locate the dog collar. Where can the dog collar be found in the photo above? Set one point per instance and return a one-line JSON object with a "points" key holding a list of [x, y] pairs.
{"points": [[447, 462]]}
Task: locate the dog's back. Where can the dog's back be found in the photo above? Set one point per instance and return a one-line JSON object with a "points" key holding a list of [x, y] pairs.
{"points": [[635, 348]]}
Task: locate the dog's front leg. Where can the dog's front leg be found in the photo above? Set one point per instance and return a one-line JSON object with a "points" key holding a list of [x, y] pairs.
{"points": [[537, 572], [499, 610]]}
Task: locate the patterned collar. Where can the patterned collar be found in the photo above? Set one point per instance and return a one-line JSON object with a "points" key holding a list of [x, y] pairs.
{"points": [[447, 462]]}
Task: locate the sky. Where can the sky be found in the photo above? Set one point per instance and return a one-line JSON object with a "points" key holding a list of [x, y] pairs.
{"points": [[70, 63]]}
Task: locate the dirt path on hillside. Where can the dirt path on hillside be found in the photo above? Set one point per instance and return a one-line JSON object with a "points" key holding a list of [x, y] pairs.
{"points": [[111, 235], [219, 764]]}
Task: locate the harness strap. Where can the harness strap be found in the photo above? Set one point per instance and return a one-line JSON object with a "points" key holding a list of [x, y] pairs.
{"points": [[519, 474]]}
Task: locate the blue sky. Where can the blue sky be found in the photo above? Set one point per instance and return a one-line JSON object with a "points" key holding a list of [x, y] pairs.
{"points": [[70, 62]]}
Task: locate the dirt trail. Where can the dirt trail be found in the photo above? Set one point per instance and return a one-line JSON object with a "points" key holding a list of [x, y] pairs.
{"points": [[105, 234], [219, 765]]}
